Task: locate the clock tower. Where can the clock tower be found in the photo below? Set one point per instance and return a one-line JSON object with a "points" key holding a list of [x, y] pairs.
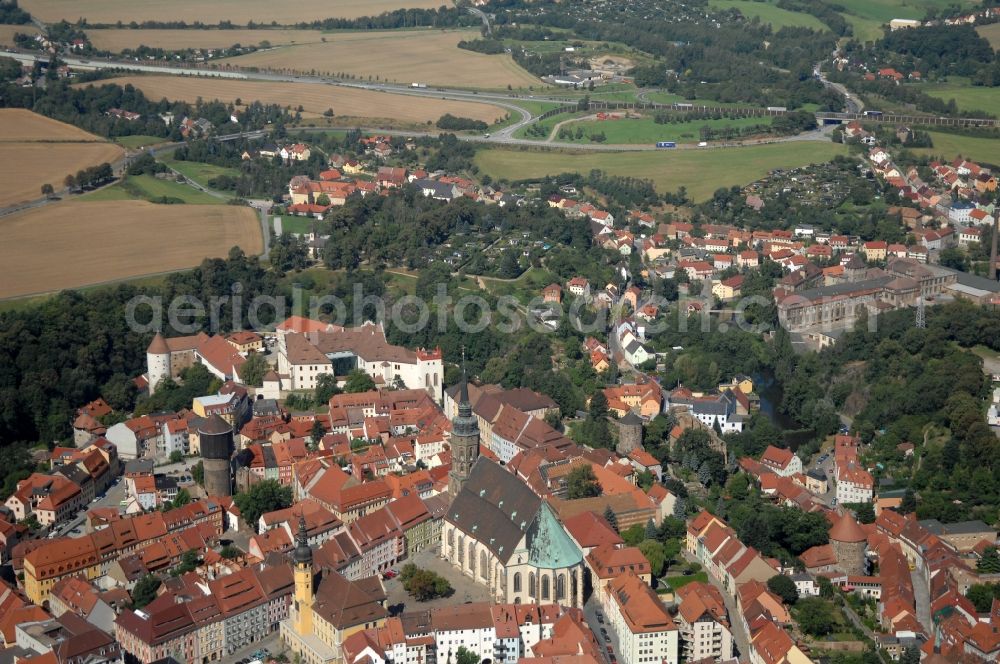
{"points": [[303, 559], [464, 442]]}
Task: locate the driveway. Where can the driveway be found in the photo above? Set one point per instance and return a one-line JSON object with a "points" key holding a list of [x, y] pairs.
{"points": [[922, 598], [606, 637], [740, 638]]}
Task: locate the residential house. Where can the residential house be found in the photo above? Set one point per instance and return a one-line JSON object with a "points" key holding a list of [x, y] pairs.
{"points": [[645, 631]]}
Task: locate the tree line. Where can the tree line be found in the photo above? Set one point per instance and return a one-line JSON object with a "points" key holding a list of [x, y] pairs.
{"points": [[75, 346], [907, 384]]}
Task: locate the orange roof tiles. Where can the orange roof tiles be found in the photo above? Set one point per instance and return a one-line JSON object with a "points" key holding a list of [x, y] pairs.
{"points": [[641, 609]]}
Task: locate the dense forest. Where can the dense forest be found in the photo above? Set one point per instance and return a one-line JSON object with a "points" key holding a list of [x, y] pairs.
{"points": [[87, 107], [700, 59], [398, 230], [67, 350], [906, 384], [11, 14], [848, 206], [936, 51]]}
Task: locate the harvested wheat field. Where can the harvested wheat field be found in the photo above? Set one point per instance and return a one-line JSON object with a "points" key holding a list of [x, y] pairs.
{"points": [[113, 39], [109, 12], [991, 33], [18, 124], [25, 167], [76, 243], [35, 150], [400, 56], [7, 33], [314, 99]]}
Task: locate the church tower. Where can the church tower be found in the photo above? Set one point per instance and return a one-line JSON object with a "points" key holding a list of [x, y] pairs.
{"points": [[464, 442], [302, 559]]}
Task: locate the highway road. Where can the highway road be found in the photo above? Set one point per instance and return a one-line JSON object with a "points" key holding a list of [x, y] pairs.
{"points": [[853, 104], [504, 100]]}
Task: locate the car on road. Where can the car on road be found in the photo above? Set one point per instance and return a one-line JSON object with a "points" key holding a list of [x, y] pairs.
{"points": [[389, 574], [610, 650]]}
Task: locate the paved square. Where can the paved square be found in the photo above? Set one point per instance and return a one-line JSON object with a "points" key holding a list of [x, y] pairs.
{"points": [[466, 590]]}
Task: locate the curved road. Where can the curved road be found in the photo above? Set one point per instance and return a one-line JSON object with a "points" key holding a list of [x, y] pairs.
{"points": [[506, 101]]}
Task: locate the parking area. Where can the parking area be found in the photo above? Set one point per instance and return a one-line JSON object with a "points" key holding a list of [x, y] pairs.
{"points": [[598, 624], [465, 589], [270, 646]]}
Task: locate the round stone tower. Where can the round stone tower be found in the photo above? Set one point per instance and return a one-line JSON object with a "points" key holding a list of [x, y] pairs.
{"points": [[849, 541], [629, 433], [216, 437], [157, 361]]}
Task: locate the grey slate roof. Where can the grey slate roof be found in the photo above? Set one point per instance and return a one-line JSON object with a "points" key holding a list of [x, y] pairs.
{"points": [[980, 283], [845, 288], [630, 418], [437, 189], [964, 527], [495, 507], [139, 466]]}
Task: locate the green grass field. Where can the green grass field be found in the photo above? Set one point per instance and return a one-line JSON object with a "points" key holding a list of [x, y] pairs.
{"points": [[676, 582], [884, 11], [139, 140], [645, 130], [19, 303], [150, 188], [534, 107], [867, 16], [612, 92], [700, 171], [967, 96], [949, 146], [865, 29], [296, 225], [547, 124], [113, 193], [671, 98], [770, 13], [527, 285], [199, 172]]}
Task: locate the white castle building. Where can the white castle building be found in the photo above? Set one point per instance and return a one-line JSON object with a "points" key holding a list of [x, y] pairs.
{"points": [[303, 356]]}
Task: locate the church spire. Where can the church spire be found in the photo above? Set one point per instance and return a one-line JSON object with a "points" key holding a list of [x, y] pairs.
{"points": [[464, 438], [464, 405], [303, 552]]}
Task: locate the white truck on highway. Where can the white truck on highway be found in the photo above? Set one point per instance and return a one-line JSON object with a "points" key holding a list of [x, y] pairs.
{"points": [[418, 85]]}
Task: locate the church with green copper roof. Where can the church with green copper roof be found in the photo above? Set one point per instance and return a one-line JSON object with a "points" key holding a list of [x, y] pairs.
{"points": [[502, 535]]}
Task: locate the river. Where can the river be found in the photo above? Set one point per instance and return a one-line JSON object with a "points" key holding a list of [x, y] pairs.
{"points": [[770, 392]]}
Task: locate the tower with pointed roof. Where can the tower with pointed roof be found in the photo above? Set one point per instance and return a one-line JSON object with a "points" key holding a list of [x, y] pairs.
{"points": [[157, 361], [302, 559], [464, 442]]}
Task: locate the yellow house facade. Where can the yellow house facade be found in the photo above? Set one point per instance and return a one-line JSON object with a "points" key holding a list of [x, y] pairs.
{"points": [[328, 610], [46, 565]]}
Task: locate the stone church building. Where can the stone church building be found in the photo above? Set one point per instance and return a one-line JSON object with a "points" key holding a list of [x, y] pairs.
{"points": [[503, 536]]}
